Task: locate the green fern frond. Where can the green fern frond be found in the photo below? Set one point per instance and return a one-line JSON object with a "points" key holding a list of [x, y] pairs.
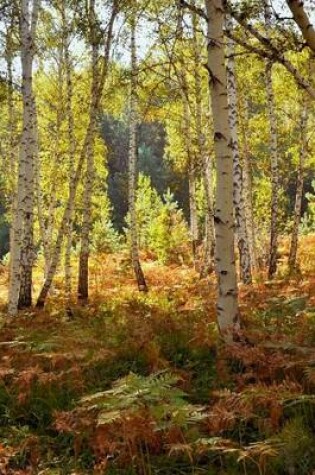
{"points": [[157, 393]]}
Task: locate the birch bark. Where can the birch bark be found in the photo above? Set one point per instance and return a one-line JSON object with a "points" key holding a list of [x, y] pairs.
{"points": [[11, 116], [187, 138], [22, 252], [193, 220], [273, 249], [29, 141], [248, 189], [299, 190], [206, 266], [238, 182], [11, 143], [71, 148], [227, 299]]}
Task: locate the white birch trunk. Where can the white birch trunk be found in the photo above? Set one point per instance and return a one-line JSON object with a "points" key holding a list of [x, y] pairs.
{"points": [[22, 254], [193, 220], [132, 168], [227, 299], [299, 191], [29, 141], [238, 182], [207, 265], [46, 225], [248, 188], [273, 249], [187, 138], [11, 118], [40, 215], [191, 166], [71, 150], [16, 242], [207, 172], [11, 131]]}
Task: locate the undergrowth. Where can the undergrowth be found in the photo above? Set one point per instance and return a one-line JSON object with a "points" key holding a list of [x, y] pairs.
{"points": [[135, 384]]}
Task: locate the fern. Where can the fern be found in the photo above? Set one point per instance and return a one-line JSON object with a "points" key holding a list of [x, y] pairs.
{"points": [[156, 393]]}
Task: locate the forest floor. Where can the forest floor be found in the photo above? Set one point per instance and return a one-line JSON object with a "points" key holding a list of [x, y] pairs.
{"points": [[141, 384]]}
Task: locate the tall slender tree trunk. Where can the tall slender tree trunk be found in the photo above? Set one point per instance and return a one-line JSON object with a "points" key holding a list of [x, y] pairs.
{"points": [[11, 152], [207, 172], [71, 150], [248, 188], [16, 228], [238, 182], [41, 220], [299, 190], [83, 281], [11, 119], [227, 299], [132, 168], [22, 253], [29, 142], [273, 250], [191, 165], [206, 266], [16, 242], [45, 230], [187, 137], [193, 219]]}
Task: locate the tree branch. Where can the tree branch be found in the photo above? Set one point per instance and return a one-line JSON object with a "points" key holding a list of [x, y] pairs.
{"points": [[303, 22], [276, 55], [194, 9]]}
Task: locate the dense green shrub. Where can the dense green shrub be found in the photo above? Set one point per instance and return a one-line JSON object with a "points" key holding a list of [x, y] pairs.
{"points": [[162, 228], [105, 238]]}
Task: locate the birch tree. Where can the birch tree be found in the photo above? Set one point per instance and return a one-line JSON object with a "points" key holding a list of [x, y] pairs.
{"points": [[11, 141], [66, 32], [206, 266], [132, 160], [248, 186], [227, 299], [29, 142], [273, 143], [11, 130], [238, 181], [299, 188], [22, 252], [187, 137], [83, 282]]}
